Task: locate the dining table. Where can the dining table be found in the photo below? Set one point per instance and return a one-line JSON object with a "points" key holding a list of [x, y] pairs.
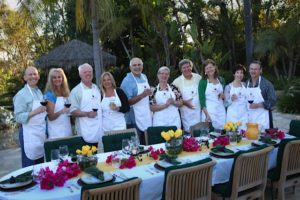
{"points": [[152, 178]]}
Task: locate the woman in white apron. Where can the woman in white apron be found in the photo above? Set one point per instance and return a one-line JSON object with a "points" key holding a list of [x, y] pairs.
{"points": [[114, 104], [236, 98], [165, 100], [57, 94], [31, 114], [211, 95], [257, 115]]}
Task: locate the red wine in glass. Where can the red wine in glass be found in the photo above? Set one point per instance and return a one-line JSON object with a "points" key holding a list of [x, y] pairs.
{"points": [[95, 109], [44, 102], [67, 105], [250, 101]]}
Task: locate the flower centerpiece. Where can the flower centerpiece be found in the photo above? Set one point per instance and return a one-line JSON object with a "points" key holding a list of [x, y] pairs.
{"points": [[232, 131], [173, 141], [65, 170], [190, 144], [86, 157], [125, 162], [271, 135]]}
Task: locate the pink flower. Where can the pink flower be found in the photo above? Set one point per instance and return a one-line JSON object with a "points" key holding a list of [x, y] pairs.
{"points": [[190, 144], [109, 159], [128, 163], [221, 140], [155, 153]]}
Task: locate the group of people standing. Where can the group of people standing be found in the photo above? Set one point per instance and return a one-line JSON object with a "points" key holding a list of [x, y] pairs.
{"points": [[190, 99]]}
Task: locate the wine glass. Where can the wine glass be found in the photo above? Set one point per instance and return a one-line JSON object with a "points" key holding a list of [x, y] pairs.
{"points": [[111, 104], [67, 104], [63, 152], [125, 146], [55, 156], [44, 101], [250, 98]]}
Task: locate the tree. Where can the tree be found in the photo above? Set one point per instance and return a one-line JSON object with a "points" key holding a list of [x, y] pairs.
{"points": [[248, 31]]}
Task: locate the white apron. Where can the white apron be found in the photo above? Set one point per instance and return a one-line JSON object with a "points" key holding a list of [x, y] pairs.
{"points": [[61, 126], [34, 132], [168, 116], [190, 116], [112, 120], [214, 105], [258, 115], [237, 111], [141, 109], [90, 128]]}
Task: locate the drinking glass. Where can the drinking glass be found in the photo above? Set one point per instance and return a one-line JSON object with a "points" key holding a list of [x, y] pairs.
{"points": [[63, 152], [126, 146], [116, 160], [44, 101], [67, 104], [233, 138], [250, 98], [36, 172], [111, 104], [55, 156]]}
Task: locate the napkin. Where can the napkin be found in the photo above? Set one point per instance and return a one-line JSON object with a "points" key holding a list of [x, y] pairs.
{"points": [[26, 176], [94, 171], [220, 148]]}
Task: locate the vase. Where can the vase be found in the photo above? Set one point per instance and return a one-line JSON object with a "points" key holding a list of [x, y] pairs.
{"points": [[252, 131], [233, 137], [87, 161], [174, 146]]}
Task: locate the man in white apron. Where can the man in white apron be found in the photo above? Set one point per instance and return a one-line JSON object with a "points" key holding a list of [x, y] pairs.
{"points": [[136, 87], [86, 107], [261, 97], [188, 85], [31, 114]]}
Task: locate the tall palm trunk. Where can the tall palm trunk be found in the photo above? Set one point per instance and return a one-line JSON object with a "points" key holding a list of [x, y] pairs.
{"points": [[97, 52], [248, 31]]}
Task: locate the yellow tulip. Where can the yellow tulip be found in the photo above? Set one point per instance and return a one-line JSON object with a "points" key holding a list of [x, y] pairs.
{"points": [[94, 149], [167, 137], [171, 133], [78, 151], [238, 123], [178, 133]]}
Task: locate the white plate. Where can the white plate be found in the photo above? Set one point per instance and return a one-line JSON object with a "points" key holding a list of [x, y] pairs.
{"points": [[15, 185], [165, 164], [89, 179], [222, 154]]}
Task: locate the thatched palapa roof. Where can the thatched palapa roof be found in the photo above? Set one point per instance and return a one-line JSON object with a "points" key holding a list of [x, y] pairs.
{"points": [[72, 53]]}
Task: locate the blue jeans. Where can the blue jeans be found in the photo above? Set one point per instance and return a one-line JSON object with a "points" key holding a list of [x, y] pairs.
{"points": [[25, 160]]}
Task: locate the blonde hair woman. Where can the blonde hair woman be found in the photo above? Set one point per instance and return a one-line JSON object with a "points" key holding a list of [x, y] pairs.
{"points": [[114, 104], [57, 93]]}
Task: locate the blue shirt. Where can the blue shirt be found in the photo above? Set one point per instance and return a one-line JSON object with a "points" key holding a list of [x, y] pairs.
{"points": [[51, 96], [130, 88]]}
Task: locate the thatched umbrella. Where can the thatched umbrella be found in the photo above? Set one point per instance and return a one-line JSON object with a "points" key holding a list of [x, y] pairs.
{"points": [[72, 53]]}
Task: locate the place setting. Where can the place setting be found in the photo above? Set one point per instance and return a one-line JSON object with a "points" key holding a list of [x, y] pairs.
{"points": [[17, 182]]}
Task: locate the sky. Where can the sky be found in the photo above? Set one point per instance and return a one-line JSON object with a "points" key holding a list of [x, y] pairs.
{"points": [[12, 3]]}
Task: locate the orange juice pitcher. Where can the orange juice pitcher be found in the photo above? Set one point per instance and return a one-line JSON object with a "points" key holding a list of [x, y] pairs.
{"points": [[252, 132]]}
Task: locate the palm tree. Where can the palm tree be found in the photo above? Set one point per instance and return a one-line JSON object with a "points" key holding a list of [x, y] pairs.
{"points": [[248, 31]]}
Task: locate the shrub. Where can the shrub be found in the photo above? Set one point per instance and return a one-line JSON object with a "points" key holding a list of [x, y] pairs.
{"points": [[289, 102]]}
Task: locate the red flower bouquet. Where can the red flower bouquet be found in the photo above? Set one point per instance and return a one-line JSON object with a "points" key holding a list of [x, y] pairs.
{"points": [[65, 171], [221, 140], [275, 133], [190, 144], [125, 162], [155, 153]]}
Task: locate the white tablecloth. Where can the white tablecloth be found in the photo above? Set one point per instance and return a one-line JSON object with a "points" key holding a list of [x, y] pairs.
{"points": [[152, 180]]}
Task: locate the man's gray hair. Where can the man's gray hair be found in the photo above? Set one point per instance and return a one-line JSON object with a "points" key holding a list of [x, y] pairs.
{"points": [[83, 66], [185, 61], [163, 68], [135, 58]]}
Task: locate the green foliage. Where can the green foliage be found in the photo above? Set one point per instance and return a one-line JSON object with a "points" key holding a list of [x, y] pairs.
{"points": [[289, 102]]}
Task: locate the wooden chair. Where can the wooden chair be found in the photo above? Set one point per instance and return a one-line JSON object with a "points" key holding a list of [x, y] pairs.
{"points": [[112, 140], [195, 130], [125, 190], [73, 143], [189, 181], [295, 128], [287, 171], [248, 176], [153, 134]]}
